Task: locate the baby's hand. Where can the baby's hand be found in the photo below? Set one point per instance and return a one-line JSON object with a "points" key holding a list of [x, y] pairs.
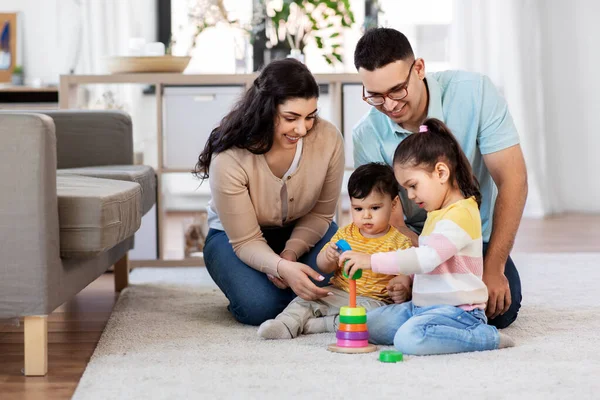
{"points": [[354, 261], [332, 253]]}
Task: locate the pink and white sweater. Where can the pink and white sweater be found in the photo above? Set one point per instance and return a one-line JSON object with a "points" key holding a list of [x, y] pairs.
{"points": [[448, 264]]}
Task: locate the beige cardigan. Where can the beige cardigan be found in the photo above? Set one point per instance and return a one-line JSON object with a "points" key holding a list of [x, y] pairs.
{"points": [[247, 196]]}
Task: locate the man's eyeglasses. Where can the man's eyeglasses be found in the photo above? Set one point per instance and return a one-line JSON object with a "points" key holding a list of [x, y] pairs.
{"points": [[394, 94]]}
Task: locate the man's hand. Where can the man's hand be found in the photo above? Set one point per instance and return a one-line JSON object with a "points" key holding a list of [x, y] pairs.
{"points": [[400, 289], [499, 299], [296, 275]]}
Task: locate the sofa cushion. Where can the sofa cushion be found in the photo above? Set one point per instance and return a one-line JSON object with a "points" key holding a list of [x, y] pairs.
{"points": [[141, 174], [95, 214]]}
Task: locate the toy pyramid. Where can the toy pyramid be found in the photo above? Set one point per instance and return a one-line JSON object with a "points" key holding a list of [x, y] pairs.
{"points": [[352, 334]]}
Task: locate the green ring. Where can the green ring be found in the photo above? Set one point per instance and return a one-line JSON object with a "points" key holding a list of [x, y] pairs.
{"points": [[390, 356], [353, 319], [357, 274]]}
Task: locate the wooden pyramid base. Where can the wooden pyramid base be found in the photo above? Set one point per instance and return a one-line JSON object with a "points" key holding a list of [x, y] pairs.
{"points": [[351, 350]]}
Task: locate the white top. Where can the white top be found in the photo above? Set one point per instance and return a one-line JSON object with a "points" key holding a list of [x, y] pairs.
{"points": [[213, 218]]}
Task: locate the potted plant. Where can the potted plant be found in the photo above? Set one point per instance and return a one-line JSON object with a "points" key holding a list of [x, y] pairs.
{"points": [[17, 75], [285, 26], [298, 22]]}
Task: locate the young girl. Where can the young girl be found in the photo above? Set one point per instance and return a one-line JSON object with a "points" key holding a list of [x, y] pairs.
{"points": [[447, 311]]}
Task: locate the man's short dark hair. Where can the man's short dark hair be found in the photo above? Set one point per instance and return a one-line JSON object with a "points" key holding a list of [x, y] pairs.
{"points": [[372, 176], [381, 46]]}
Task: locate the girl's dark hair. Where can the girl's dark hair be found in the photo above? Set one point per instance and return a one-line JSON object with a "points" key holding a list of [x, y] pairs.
{"points": [[372, 176], [251, 123], [439, 144]]}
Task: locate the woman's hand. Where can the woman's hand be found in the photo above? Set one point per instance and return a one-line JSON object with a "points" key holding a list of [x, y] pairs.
{"points": [[288, 255], [280, 283], [353, 261], [296, 275]]}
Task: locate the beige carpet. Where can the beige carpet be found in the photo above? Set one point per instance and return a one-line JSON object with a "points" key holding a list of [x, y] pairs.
{"points": [[171, 337]]}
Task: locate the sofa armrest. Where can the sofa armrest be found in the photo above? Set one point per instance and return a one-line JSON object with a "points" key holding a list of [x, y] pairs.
{"points": [[91, 138], [29, 232]]}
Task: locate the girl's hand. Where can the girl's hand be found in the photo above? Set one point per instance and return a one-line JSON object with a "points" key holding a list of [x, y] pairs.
{"points": [[296, 275], [353, 261], [332, 253]]}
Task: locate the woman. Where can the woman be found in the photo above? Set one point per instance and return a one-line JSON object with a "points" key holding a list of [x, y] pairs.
{"points": [[275, 172]]}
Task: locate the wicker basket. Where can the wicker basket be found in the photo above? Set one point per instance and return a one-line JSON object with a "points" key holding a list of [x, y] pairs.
{"points": [[123, 65]]}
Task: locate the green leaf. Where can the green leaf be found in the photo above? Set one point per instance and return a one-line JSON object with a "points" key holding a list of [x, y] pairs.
{"points": [[319, 42], [328, 59]]}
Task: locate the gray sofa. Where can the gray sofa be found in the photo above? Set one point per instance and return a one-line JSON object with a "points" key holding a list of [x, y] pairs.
{"points": [[70, 203]]}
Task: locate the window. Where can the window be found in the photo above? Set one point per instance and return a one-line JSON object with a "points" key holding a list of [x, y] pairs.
{"points": [[426, 24]]}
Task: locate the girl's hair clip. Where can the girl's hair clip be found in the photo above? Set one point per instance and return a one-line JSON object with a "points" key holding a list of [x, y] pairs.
{"points": [[423, 128]]}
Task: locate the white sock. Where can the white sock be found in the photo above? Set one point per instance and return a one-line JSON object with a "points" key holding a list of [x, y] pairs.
{"points": [[315, 325], [274, 329], [505, 341]]}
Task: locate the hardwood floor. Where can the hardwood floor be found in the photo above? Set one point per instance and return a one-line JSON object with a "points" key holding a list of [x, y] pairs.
{"points": [[75, 328], [73, 332]]}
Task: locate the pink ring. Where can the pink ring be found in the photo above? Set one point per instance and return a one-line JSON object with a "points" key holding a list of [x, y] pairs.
{"points": [[423, 128], [352, 343]]}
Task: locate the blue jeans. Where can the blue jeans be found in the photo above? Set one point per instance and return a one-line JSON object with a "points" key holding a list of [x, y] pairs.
{"points": [[431, 330], [514, 282], [253, 299]]}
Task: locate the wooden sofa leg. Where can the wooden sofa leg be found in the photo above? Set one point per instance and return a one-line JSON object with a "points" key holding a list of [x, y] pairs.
{"points": [[122, 273], [36, 345]]}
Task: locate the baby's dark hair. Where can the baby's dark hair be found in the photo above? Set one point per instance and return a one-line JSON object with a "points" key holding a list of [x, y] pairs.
{"points": [[438, 144], [373, 176]]}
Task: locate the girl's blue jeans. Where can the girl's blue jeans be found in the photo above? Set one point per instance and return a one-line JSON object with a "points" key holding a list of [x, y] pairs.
{"points": [[431, 330], [253, 299]]}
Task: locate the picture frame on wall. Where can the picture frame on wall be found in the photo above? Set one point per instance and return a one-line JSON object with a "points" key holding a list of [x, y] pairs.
{"points": [[10, 55]]}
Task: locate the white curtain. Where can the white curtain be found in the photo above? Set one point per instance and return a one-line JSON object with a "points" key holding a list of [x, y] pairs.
{"points": [[503, 39], [94, 30]]}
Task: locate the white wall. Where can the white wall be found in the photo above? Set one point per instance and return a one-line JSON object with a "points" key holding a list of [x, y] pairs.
{"points": [[42, 57], [572, 106], [50, 33]]}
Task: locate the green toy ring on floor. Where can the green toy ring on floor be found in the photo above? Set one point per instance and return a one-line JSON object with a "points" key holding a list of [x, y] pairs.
{"points": [[390, 356], [353, 311], [353, 319]]}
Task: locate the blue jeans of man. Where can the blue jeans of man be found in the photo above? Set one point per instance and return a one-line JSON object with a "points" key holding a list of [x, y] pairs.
{"points": [[431, 330], [254, 299], [514, 282]]}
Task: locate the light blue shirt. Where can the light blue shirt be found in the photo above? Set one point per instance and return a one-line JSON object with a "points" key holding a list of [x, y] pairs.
{"points": [[477, 115]]}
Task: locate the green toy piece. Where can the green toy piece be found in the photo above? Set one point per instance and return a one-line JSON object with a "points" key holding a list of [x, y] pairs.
{"points": [[343, 246], [390, 356], [353, 319]]}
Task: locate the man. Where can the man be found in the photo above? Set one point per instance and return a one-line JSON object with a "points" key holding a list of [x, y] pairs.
{"points": [[403, 96]]}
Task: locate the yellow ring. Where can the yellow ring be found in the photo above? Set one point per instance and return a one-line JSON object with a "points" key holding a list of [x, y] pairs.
{"points": [[353, 311]]}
